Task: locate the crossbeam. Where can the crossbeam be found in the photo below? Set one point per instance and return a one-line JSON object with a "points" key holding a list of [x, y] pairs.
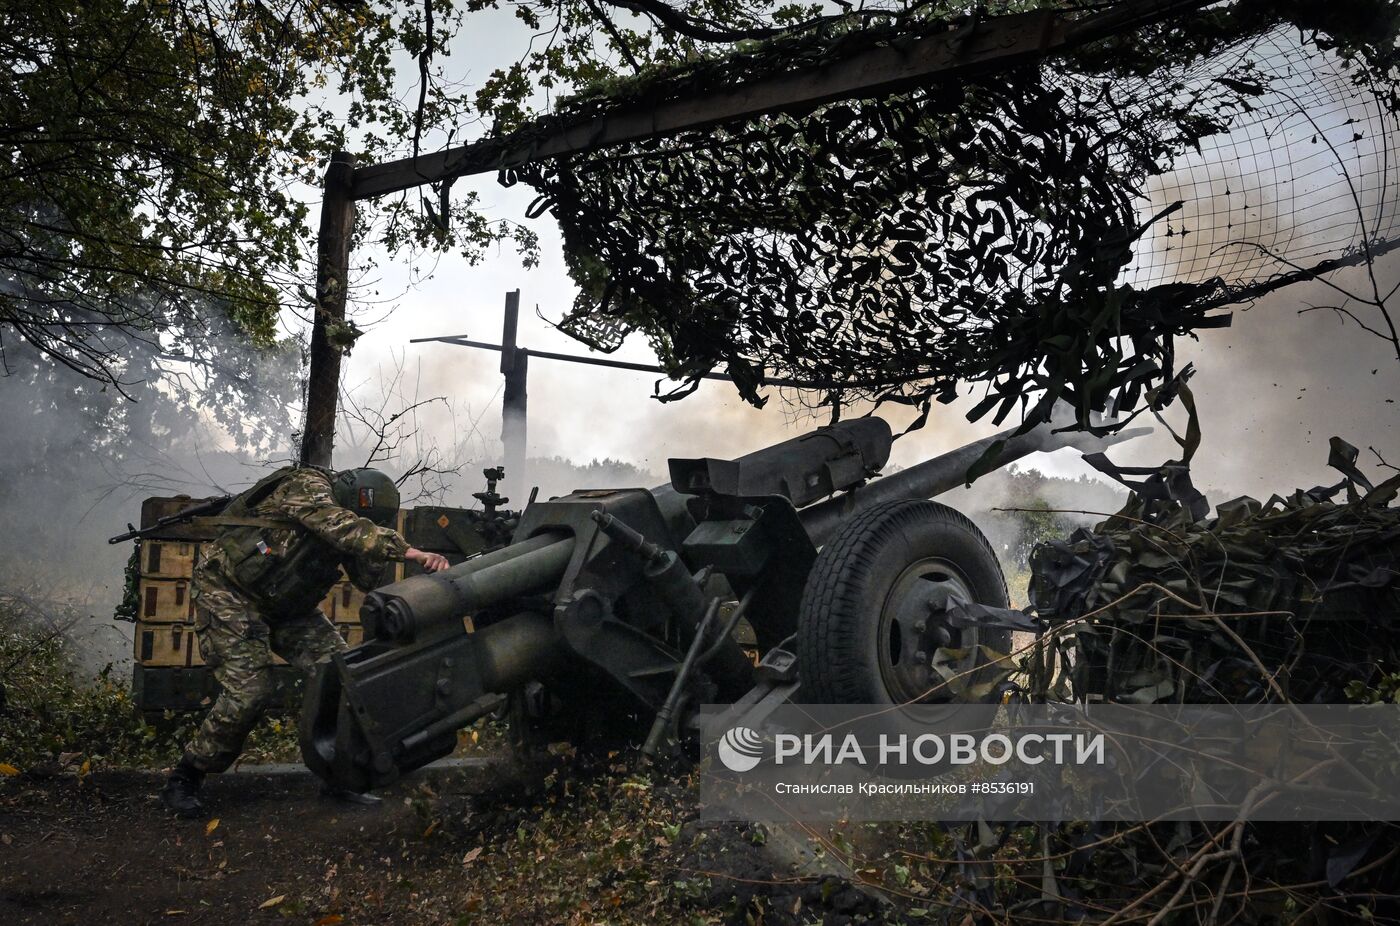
{"points": [[995, 43], [462, 341]]}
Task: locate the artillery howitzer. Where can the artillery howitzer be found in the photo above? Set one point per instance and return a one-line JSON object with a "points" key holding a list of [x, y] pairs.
{"points": [[628, 601]]}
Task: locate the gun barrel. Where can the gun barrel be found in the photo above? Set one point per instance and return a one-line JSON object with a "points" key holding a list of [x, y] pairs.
{"points": [[948, 471], [405, 609], [802, 469], [131, 534]]}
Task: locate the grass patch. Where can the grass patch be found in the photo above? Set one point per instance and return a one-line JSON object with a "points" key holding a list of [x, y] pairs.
{"points": [[52, 712]]}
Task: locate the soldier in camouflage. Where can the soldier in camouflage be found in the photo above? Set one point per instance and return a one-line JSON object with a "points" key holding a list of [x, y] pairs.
{"points": [[280, 548]]}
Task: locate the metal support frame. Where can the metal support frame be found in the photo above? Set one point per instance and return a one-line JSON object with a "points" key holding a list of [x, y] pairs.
{"points": [[463, 341]]}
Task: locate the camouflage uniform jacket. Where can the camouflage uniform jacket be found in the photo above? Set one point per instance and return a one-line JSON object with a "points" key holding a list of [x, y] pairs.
{"points": [[338, 537]]}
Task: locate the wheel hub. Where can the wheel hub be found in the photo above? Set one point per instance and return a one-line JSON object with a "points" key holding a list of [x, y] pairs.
{"points": [[914, 626]]}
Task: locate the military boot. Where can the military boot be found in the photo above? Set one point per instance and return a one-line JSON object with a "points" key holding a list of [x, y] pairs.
{"points": [[181, 792]]}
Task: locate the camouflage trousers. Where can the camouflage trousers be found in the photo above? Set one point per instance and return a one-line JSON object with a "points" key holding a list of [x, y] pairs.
{"points": [[238, 642]]}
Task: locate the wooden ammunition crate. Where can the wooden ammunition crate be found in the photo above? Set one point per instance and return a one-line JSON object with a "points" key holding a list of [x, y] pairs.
{"points": [[165, 601], [352, 634], [170, 673], [168, 559], [167, 645], [175, 688], [177, 645], [168, 613], [342, 605]]}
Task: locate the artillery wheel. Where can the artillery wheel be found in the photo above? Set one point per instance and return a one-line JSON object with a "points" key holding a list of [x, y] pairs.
{"points": [[872, 610]]}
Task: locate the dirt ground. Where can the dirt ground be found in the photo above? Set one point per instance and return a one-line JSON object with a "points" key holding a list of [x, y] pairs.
{"points": [[465, 845]]}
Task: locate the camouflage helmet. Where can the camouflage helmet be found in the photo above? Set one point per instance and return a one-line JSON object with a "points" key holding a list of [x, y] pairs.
{"points": [[369, 493]]}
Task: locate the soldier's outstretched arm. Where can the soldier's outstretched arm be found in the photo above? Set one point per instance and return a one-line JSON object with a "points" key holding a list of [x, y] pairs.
{"points": [[306, 497]]}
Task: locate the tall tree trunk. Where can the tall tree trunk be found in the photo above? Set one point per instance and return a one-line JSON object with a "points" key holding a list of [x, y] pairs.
{"points": [[332, 281]]}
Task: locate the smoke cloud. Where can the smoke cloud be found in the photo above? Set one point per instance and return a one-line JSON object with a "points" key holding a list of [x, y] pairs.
{"points": [[78, 458]]}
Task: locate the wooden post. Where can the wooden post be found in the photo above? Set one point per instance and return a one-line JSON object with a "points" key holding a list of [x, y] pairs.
{"points": [[332, 281], [515, 363]]}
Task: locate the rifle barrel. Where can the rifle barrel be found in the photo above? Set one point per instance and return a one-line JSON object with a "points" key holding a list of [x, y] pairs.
{"points": [[210, 505]]}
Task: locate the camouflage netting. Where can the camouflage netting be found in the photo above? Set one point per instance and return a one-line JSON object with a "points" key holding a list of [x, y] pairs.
{"points": [[1029, 229], [1162, 602]]}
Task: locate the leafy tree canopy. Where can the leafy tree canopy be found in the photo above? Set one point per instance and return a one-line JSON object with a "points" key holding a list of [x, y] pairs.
{"points": [[152, 147]]}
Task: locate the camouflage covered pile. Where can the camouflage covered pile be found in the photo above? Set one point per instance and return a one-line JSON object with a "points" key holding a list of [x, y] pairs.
{"points": [[1163, 603]]}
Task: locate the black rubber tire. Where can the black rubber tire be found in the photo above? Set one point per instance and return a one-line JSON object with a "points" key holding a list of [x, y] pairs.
{"points": [[846, 591]]}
